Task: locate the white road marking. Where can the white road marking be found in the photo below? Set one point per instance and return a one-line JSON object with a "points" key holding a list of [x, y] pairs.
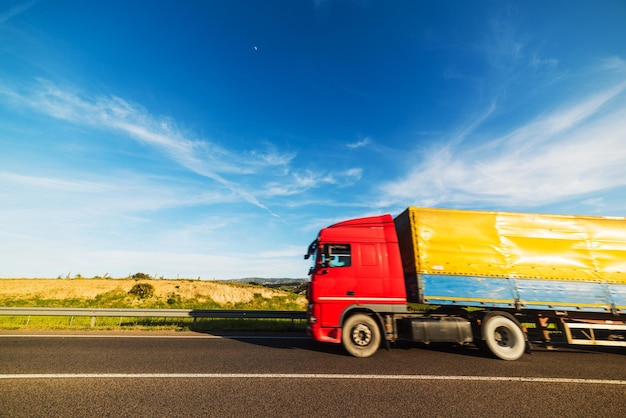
{"points": [[269, 375], [319, 376]]}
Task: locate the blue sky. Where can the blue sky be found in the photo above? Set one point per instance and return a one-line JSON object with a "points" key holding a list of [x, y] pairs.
{"points": [[213, 139]]}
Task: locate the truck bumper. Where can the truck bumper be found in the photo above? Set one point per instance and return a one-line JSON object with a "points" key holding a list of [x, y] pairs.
{"points": [[324, 334]]}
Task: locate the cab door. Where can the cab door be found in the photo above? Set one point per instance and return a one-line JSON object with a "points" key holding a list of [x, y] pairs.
{"points": [[335, 280], [368, 271]]}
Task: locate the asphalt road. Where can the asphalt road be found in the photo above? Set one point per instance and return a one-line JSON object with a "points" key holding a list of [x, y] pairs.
{"points": [[172, 375]]}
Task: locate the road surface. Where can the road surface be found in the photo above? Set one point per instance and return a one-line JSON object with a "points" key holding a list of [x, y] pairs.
{"points": [[187, 374]]}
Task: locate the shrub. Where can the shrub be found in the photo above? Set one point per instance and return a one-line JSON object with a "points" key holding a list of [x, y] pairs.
{"points": [[140, 276], [143, 290], [174, 299]]}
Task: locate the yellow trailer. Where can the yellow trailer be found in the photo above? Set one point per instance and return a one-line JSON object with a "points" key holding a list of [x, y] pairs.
{"points": [[513, 245], [569, 267]]}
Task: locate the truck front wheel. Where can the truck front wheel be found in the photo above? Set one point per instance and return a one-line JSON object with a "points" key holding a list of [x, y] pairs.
{"points": [[503, 337], [360, 335]]}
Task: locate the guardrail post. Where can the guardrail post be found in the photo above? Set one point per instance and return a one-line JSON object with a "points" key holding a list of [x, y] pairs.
{"points": [[93, 321]]}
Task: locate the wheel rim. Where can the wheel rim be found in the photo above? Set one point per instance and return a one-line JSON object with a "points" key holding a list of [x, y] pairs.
{"points": [[361, 335], [502, 337]]}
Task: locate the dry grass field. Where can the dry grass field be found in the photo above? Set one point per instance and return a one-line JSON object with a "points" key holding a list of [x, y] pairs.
{"points": [[200, 291], [121, 293]]}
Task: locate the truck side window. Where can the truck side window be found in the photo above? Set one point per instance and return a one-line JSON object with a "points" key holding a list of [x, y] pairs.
{"points": [[337, 255]]}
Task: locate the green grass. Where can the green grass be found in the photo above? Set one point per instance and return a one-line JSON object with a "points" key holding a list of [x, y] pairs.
{"points": [[118, 298], [148, 324], [121, 299]]}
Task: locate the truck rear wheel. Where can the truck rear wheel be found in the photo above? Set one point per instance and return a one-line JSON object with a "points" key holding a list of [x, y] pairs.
{"points": [[503, 337], [360, 335]]}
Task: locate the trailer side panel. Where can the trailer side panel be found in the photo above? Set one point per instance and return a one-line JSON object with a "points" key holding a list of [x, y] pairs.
{"points": [[514, 260]]}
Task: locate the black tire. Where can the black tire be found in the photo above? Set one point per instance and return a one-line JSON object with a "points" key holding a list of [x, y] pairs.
{"points": [[503, 337], [360, 335]]}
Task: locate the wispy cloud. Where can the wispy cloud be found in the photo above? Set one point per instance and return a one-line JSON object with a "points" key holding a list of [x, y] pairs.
{"points": [[359, 144], [304, 180], [576, 150], [118, 194], [464, 131], [51, 183], [113, 113], [504, 46], [613, 63], [573, 149]]}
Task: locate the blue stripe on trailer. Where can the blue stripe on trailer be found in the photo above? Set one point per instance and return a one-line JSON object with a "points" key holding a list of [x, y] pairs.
{"points": [[503, 292]]}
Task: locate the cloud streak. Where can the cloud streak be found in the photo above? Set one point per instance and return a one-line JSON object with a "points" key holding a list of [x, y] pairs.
{"points": [[51, 183], [113, 113], [304, 180], [568, 153]]}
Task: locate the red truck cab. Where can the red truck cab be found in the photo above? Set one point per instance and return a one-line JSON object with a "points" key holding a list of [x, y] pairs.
{"points": [[356, 267]]}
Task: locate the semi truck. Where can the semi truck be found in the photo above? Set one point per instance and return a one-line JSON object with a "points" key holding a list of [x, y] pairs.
{"points": [[479, 278]]}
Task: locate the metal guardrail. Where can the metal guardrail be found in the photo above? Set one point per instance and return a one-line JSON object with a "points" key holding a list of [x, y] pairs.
{"points": [[155, 313]]}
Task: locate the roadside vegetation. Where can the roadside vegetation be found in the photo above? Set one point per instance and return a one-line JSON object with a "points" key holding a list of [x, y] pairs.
{"points": [[142, 292]]}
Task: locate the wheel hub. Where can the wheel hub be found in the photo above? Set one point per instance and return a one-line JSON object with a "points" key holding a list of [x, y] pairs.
{"points": [[502, 337], [361, 335]]}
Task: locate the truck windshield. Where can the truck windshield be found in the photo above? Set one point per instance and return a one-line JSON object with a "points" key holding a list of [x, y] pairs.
{"points": [[312, 254], [312, 251]]}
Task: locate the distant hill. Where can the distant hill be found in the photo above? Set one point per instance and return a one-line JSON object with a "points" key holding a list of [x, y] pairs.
{"points": [[286, 284], [264, 280]]}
